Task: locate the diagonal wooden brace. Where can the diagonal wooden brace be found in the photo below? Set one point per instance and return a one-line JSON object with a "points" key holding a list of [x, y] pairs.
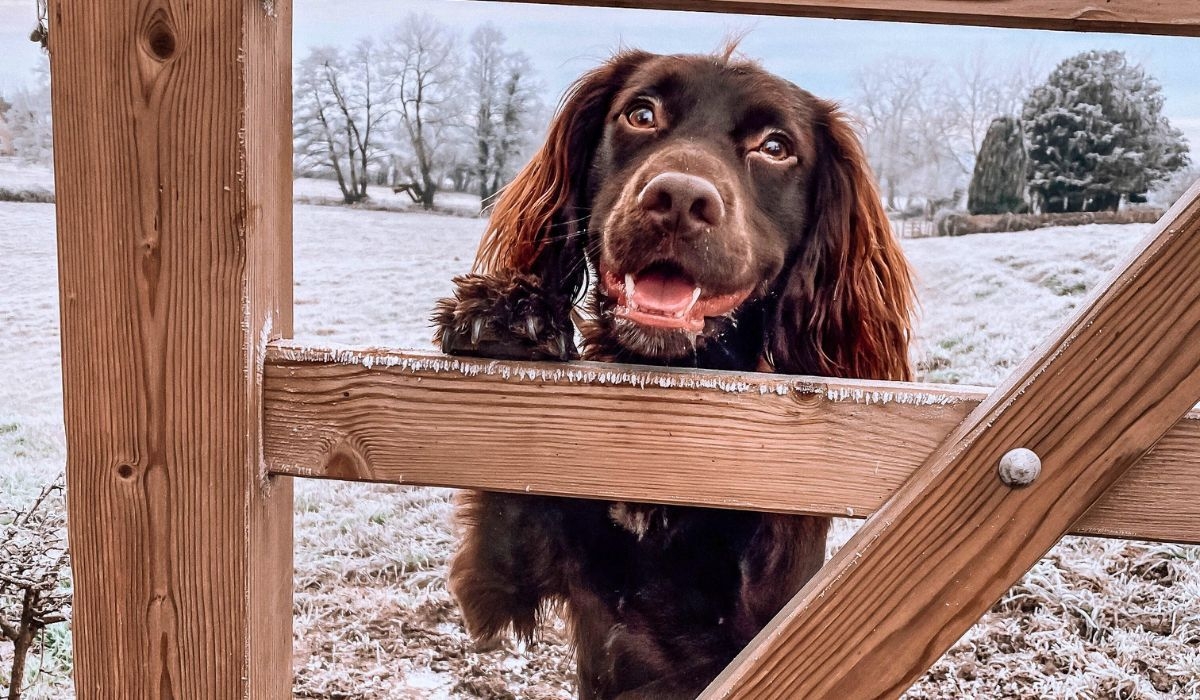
{"points": [[944, 549]]}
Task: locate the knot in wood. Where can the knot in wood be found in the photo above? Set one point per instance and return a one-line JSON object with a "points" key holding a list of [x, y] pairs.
{"points": [[159, 36], [1019, 467]]}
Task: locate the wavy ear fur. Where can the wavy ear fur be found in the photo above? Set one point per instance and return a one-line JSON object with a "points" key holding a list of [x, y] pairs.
{"points": [[845, 308], [538, 222]]}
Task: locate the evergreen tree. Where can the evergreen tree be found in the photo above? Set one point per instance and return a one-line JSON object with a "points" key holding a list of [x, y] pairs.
{"points": [[1097, 134], [998, 183]]}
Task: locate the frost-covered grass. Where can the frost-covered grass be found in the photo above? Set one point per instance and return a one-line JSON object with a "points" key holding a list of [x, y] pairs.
{"points": [[370, 277], [1095, 619], [31, 432], [990, 299], [18, 174]]}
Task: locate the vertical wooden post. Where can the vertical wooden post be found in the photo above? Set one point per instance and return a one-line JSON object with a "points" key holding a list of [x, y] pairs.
{"points": [[172, 160]]}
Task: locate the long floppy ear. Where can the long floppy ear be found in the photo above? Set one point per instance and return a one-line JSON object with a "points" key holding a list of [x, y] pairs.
{"points": [[538, 223], [845, 307]]}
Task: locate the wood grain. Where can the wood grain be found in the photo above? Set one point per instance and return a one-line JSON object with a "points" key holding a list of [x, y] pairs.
{"points": [[172, 167], [771, 442], [1167, 17], [939, 554]]}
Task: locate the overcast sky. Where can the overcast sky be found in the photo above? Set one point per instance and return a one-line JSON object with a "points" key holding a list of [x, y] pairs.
{"points": [[820, 55]]}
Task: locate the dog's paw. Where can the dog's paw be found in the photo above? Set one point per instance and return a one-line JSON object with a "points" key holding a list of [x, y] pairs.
{"points": [[506, 318]]}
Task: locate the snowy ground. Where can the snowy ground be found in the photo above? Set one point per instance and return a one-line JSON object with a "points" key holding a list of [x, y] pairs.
{"points": [[31, 433], [16, 174], [1095, 619]]}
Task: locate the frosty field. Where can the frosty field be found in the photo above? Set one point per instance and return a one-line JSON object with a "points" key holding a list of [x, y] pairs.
{"points": [[1094, 619], [16, 174]]}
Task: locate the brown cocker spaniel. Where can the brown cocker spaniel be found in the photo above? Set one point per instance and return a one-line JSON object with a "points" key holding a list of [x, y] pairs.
{"points": [[719, 217]]}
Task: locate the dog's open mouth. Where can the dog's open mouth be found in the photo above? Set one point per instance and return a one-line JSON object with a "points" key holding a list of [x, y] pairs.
{"points": [[664, 296]]}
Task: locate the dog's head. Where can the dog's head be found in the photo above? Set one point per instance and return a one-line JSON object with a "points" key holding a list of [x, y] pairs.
{"points": [[714, 201]]}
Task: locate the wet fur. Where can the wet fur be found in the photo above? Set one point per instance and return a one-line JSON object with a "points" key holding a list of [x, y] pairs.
{"points": [[661, 598]]}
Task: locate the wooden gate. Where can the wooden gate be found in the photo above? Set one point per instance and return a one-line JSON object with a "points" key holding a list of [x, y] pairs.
{"points": [[187, 410]]}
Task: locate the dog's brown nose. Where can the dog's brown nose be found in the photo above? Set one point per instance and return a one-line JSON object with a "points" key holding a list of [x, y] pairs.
{"points": [[683, 204]]}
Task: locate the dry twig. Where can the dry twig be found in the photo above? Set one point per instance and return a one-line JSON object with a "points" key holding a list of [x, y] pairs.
{"points": [[34, 575]]}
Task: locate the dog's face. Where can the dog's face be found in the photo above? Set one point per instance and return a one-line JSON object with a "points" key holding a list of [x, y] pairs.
{"points": [[730, 218], [698, 194]]}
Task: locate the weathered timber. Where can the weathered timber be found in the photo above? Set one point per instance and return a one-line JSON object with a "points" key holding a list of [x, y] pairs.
{"points": [[1166, 17], [927, 565], [172, 166], [756, 441]]}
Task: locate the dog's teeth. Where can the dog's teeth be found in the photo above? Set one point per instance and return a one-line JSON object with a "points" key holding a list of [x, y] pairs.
{"points": [[531, 327], [629, 292], [476, 330], [695, 298]]}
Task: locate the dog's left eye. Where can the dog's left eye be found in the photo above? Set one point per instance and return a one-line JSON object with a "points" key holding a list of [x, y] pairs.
{"points": [[775, 148], [642, 117]]}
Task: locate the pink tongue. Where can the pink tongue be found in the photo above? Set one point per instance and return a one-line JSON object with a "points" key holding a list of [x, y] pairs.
{"points": [[662, 293]]}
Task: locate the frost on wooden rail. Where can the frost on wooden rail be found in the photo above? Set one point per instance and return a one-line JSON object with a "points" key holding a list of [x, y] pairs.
{"points": [[757, 441], [606, 374]]}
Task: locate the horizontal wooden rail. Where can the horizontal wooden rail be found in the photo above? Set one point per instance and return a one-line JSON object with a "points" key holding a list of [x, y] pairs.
{"points": [[1167, 17], [753, 441]]}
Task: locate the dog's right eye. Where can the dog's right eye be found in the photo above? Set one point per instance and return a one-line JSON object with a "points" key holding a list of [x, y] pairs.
{"points": [[642, 117]]}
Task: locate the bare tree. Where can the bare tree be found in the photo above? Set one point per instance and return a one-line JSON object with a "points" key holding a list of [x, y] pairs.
{"points": [[503, 103], [520, 107], [982, 88], [483, 77], [925, 121], [975, 99], [893, 100], [28, 117], [422, 65], [342, 104]]}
